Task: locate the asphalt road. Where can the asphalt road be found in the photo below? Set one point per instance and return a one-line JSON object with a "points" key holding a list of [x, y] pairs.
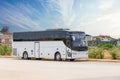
{"points": [[13, 69]]}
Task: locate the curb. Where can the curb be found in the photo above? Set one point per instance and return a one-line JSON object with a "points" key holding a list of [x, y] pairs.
{"points": [[103, 60], [8, 57]]}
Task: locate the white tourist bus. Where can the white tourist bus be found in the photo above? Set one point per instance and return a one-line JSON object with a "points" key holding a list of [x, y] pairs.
{"points": [[57, 44]]}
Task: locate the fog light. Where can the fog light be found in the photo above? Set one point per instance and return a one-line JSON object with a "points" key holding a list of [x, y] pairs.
{"points": [[69, 54]]}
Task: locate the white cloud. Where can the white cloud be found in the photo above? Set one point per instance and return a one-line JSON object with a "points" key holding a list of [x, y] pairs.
{"points": [[66, 9], [69, 15], [106, 4], [19, 15], [81, 5], [107, 24]]}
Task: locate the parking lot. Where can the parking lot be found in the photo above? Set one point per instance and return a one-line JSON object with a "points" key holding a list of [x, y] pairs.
{"points": [[17, 69]]}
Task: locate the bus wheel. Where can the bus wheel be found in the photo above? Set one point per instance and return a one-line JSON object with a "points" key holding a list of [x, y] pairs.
{"points": [[58, 57], [72, 59], [25, 55]]}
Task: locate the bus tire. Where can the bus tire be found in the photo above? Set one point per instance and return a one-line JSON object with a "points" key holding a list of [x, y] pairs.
{"points": [[25, 55], [58, 56], [38, 58], [72, 59]]}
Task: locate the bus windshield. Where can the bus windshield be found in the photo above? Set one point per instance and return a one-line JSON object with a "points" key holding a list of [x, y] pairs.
{"points": [[78, 40]]}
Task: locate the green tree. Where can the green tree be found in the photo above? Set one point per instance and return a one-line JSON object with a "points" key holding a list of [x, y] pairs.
{"points": [[106, 46]]}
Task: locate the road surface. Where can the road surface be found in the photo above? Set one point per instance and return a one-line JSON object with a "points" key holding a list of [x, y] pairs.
{"points": [[14, 69]]}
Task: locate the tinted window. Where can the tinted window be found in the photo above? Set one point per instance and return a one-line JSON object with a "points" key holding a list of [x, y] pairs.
{"points": [[41, 35]]}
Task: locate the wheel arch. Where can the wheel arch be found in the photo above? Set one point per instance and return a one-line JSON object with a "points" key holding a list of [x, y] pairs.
{"points": [[28, 57], [55, 54], [24, 53]]}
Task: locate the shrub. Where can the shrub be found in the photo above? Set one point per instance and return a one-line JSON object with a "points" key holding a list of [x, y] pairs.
{"points": [[96, 53], [91, 53], [106, 46], [115, 53], [5, 50], [99, 52], [1, 50]]}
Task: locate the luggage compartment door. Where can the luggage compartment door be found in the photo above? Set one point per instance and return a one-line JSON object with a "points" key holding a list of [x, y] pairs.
{"points": [[37, 50]]}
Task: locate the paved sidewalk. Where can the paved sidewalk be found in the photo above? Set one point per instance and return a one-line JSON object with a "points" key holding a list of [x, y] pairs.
{"points": [[16, 69]]}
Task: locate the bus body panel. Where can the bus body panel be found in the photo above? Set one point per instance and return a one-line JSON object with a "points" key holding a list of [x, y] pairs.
{"points": [[49, 48], [21, 47], [24, 46], [46, 49], [77, 54]]}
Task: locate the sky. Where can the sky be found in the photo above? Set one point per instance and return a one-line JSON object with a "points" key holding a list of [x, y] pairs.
{"points": [[94, 17]]}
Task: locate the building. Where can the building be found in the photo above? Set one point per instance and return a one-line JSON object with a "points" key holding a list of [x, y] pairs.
{"points": [[88, 37], [118, 42], [101, 39], [6, 38]]}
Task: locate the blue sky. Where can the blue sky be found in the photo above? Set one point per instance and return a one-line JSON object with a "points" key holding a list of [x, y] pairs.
{"points": [[95, 17]]}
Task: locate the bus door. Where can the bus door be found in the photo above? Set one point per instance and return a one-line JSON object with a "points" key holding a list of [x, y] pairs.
{"points": [[69, 51], [37, 50]]}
